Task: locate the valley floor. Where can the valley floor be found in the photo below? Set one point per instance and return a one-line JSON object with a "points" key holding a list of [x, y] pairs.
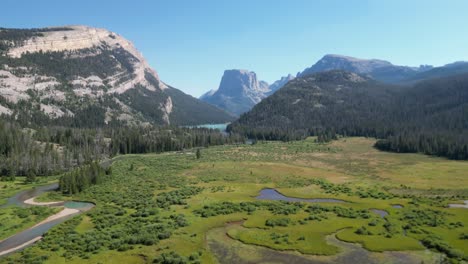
{"points": [[173, 206]]}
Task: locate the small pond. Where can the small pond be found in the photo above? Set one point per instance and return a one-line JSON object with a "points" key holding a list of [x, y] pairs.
{"points": [[382, 213], [274, 195]]}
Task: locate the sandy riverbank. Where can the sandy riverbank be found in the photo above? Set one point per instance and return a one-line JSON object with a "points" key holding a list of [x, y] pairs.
{"points": [[465, 205], [63, 213], [32, 241], [31, 201]]}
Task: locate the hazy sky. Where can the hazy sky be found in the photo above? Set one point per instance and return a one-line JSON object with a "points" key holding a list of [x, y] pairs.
{"points": [[191, 42]]}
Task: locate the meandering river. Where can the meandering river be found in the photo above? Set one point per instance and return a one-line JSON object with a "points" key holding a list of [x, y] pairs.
{"points": [[229, 250], [33, 234]]}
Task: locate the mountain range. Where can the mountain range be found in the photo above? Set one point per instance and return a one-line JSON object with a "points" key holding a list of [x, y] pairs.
{"points": [[385, 71], [237, 96], [429, 116], [84, 76]]}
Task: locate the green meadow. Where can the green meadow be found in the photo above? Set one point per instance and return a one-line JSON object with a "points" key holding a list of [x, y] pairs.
{"points": [[175, 208]]}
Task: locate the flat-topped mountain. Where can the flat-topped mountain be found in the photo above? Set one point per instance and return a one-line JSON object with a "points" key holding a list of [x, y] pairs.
{"points": [[240, 90], [79, 75], [378, 69], [385, 71]]}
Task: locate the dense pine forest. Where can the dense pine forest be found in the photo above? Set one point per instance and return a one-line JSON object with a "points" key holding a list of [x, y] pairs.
{"points": [[42, 151], [429, 117], [78, 180]]}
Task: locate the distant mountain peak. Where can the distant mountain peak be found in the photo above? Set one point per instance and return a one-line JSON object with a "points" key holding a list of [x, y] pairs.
{"points": [[354, 59], [378, 69], [281, 82], [237, 81], [456, 64], [341, 62], [239, 90]]}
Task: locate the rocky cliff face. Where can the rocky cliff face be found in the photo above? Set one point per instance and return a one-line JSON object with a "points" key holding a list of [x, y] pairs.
{"points": [[75, 38], [66, 71], [242, 83], [238, 91]]}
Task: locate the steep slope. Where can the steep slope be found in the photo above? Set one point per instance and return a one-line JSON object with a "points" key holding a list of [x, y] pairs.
{"points": [[84, 76], [189, 110], [437, 103], [207, 94], [378, 69], [238, 91], [438, 72], [317, 102], [280, 83], [428, 117]]}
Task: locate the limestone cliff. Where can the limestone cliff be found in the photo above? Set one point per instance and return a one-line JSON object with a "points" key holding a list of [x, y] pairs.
{"points": [[64, 71]]}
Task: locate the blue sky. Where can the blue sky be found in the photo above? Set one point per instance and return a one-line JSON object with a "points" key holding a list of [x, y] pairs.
{"points": [[190, 43]]}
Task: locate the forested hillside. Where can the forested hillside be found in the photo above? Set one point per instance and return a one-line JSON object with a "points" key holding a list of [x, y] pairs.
{"points": [[52, 150], [429, 117]]}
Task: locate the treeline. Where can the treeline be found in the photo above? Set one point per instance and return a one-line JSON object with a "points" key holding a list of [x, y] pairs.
{"points": [[78, 180], [21, 154], [40, 151], [453, 146], [47, 151], [430, 117], [147, 140]]}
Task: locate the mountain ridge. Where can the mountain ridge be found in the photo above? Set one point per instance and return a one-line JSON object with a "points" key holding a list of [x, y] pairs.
{"points": [[428, 117], [383, 70], [378, 69], [60, 73]]}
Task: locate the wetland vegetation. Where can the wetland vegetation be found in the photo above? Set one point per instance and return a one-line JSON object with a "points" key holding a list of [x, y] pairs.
{"points": [[176, 208]]}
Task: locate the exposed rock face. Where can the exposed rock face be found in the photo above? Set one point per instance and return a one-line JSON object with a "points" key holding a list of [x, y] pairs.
{"points": [[83, 37], [280, 83], [62, 70], [167, 106], [377, 69], [242, 83], [238, 91]]}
